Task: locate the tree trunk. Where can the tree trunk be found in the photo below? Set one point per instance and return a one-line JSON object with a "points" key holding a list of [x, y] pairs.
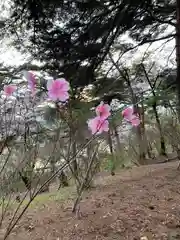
{"points": [[178, 60], [162, 140], [149, 151], [142, 153], [116, 136], [112, 153], [63, 180], [154, 106], [178, 54], [144, 136], [125, 75], [52, 163], [74, 163]]}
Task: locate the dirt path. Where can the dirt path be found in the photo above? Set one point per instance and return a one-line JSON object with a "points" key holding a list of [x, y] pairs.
{"points": [[144, 201]]}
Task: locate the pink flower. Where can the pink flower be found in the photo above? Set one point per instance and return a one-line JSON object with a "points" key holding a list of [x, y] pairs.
{"points": [[135, 121], [9, 89], [58, 89], [30, 76], [98, 125], [103, 110], [129, 115]]}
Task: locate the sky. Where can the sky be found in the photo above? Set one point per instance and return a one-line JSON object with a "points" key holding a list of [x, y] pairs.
{"points": [[163, 53], [160, 52]]}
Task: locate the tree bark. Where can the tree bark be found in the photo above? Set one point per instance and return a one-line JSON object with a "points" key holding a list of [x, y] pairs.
{"points": [[75, 165], [144, 136], [53, 165], [116, 136], [162, 140], [74, 151], [142, 153], [63, 180], [112, 153], [125, 75], [178, 54], [154, 106]]}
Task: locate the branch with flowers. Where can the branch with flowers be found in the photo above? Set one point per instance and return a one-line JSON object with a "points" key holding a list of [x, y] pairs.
{"points": [[58, 92]]}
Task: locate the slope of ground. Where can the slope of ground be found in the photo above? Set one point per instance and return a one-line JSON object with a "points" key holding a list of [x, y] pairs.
{"points": [[143, 201]]}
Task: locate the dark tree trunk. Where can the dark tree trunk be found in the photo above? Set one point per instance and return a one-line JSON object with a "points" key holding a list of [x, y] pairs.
{"points": [[116, 134], [112, 153], [178, 54], [147, 145], [154, 106], [75, 165], [73, 152], [142, 152], [178, 61], [162, 140], [63, 180], [53, 167]]}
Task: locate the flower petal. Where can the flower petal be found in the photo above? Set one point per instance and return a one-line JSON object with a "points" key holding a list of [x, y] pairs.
{"points": [[9, 89], [127, 112], [63, 96], [64, 84], [135, 122], [103, 110], [30, 77], [53, 96], [58, 89], [98, 125]]}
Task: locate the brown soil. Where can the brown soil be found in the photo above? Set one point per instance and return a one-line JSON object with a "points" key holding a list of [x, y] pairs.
{"points": [[143, 201]]}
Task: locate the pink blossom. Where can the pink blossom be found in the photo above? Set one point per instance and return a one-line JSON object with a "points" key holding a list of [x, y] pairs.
{"points": [[98, 125], [135, 121], [103, 110], [58, 89], [30, 76], [129, 115], [9, 89]]}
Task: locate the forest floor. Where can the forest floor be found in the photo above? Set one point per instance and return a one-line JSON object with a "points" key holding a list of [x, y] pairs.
{"points": [[135, 203]]}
